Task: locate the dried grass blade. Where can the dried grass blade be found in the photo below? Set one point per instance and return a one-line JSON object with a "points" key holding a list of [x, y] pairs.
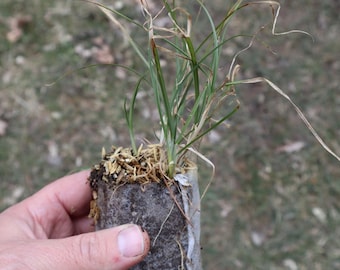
{"points": [[297, 109], [109, 14]]}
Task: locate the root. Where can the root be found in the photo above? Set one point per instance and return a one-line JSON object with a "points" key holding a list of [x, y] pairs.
{"points": [[161, 228], [182, 254]]}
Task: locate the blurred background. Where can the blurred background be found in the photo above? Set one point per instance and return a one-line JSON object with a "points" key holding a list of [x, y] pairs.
{"points": [[275, 199]]}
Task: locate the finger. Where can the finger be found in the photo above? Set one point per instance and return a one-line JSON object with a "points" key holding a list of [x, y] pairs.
{"points": [[72, 192], [112, 249], [72, 227], [54, 207], [83, 225], [49, 212]]}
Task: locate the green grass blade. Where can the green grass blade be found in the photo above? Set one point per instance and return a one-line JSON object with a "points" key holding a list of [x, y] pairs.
{"points": [[205, 132], [129, 113]]}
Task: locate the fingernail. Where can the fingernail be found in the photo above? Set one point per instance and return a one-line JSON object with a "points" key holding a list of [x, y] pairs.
{"points": [[131, 241]]}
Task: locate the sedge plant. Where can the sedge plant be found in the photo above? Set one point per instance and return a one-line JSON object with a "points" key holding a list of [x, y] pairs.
{"points": [[192, 100], [188, 105]]}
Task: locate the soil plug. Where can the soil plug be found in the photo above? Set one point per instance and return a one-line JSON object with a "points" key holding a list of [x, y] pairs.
{"points": [[131, 188]]}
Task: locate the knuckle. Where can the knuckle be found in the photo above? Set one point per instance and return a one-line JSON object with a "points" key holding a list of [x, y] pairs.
{"points": [[91, 249]]}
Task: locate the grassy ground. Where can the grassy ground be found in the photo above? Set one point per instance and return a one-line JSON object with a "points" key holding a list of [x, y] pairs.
{"points": [[274, 203]]}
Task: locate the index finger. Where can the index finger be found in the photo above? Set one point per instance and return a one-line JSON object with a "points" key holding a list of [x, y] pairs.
{"points": [[53, 211], [71, 191]]}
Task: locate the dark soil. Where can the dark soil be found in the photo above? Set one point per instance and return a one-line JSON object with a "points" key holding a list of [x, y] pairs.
{"points": [[153, 208]]}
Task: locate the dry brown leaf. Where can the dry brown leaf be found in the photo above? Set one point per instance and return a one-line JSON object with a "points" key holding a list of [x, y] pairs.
{"points": [[291, 147], [103, 55], [16, 25], [3, 127], [100, 51]]}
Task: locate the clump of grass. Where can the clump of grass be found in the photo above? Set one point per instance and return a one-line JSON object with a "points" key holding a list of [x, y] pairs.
{"points": [[196, 100], [187, 107], [191, 100]]}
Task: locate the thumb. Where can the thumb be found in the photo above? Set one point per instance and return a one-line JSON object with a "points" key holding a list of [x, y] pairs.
{"points": [[111, 249]]}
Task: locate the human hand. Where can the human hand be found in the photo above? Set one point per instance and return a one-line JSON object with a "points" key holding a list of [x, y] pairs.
{"points": [[51, 231]]}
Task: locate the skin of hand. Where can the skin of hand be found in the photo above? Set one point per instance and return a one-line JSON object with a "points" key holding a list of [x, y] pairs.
{"points": [[50, 230]]}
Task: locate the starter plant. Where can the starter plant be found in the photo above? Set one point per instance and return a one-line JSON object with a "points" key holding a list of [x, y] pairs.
{"points": [[155, 185]]}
